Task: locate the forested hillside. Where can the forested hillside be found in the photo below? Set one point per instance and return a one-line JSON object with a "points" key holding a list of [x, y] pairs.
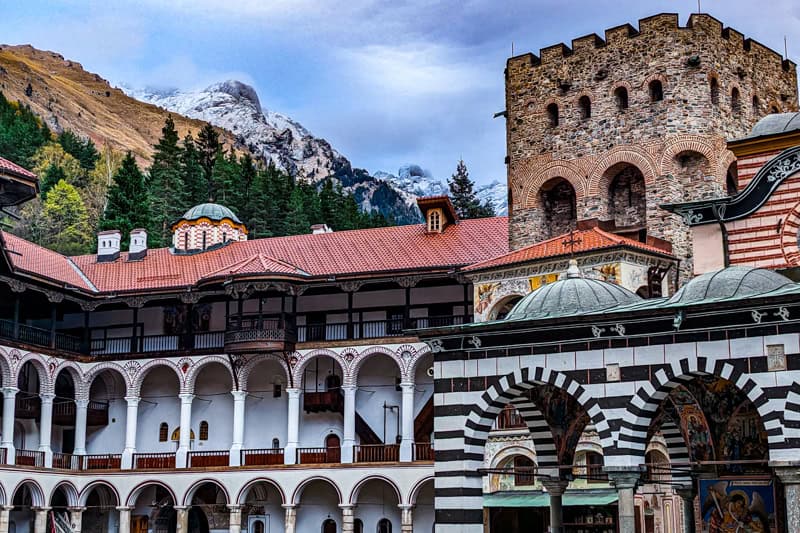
{"points": [[85, 189]]}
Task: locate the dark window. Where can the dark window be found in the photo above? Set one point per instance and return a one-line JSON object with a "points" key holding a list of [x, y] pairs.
{"points": [[384, 526], [756, 104], [714, 88], [203, 430], [594, 468], [204, 240], [656, 89], [585, 105], [358, 526], [276, 443], [736, 104], [395, 318], [186, 241], [552, 115], [524, 471], [621, 97], [163, 432], [277, 389], [328, 526], [315, 326]]}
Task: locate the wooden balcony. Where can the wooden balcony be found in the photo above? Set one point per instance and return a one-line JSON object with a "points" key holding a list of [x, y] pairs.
{"points": [[108, 461], [262, 457], [208, 459], [320, 402], [316, 456], [154, 461], [29, 458], [509, 418], [259, 334], [377, 453], [423, 451], [27, 407]]}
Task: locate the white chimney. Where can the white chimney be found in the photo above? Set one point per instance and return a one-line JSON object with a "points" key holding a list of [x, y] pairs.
{"points": [[138, 247], [320, 228], [108, 245]]}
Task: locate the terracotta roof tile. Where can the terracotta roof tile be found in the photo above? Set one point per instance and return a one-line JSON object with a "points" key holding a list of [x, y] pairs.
{"points": [[590, 240], [392, 249], [12, 168]]}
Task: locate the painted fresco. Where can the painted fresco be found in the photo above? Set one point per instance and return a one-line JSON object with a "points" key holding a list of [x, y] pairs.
{"points": [[566, 418], [737, 506]]}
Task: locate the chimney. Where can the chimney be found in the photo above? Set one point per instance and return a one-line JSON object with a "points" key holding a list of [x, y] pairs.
{"points": [[108, 245], [138, 247], [320, 228]]}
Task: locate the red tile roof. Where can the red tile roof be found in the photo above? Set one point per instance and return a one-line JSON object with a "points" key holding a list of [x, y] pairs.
{"points": [[11, 168], [589, 240], [342, 253]]}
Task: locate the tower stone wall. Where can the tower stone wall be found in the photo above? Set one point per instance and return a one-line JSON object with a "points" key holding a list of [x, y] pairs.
{"points": [[661, 100]]}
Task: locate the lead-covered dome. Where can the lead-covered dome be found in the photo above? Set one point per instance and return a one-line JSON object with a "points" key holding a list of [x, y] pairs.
{"points": [[572, 295], [213, 212], [776, 123], [731, 282]]}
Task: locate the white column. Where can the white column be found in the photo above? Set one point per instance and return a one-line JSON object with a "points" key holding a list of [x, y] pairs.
{"points": [[40, 520], [290, 520], [76, 518], [407, 410], [186, 429], [5, 511], [182, 523], [555, 489], [131, 418], [292, 438], [81, 412], [235, 519], [9, 406], [46, 427], [237, 442], [124, 519], [347, 518], [406, 518], [349, 423]]}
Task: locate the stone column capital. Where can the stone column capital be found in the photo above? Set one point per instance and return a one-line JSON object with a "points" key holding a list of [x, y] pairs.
{"points": [[289, 506], [788, 473], [76, 509], [555, 487], [233, 508], [346, 507], [239, 395], [123, 508], [293, 392], [47, 397], [82, 403], [8, 391], [624, 478], [406, 506], [40, 509], [406, 384], [132, 400], [6, 508], [180, 507], [186, 397]]}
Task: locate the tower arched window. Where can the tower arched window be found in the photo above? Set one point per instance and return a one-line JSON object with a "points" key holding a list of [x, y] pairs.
{"points": [[163, 432], [621, 98], [358, 526], [656, 90], [384, 526], [203, 430], [714, 89], [552, 115], [756, 105], [736, 104], [585, 105], [276, 443]]}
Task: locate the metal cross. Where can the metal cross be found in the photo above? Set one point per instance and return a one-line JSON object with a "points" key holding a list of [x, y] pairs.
{"points": [[571, 242]]}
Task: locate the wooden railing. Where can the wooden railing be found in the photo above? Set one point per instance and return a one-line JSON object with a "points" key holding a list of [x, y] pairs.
{"points": [[27, 407], [64, 412], [371, 329], [377, 453], [158, 460], [67, 461], [109, 461], [423, 451], [314, 456], [315, 402], [3, 455], [29, 458], [39, 336], [509, 418], [262, 457], [207, 459]]}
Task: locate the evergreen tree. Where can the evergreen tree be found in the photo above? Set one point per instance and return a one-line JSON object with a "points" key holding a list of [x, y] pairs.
{"points": [[192, 172], [52, 175], [208, 147], [297, 221], [168, 194], [226, 179], [463, 196], [83, 150], [128, 200], [63, 225], [21, 133]]}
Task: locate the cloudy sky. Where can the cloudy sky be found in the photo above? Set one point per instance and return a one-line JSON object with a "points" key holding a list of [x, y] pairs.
{"points": [[386, 82]]}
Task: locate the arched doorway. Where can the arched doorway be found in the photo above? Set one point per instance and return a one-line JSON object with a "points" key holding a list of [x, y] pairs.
{"points": [[324, 498], [376, 502], [262, 510], [328, 526], [153, 510], [627, 200], [208, 509], [100, 514], [559, 210], [64, 414]]}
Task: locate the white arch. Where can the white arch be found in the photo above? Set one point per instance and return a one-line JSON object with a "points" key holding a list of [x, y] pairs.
{"points": [[98, 484], [190, 492], [374, 477], [241, 498], [37, 494], [69, 491], [298, 492]]}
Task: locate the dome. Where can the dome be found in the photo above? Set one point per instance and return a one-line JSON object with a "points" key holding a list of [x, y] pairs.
{"points": [[571, 296], [213, 212], [776, 123], [731, 282]]}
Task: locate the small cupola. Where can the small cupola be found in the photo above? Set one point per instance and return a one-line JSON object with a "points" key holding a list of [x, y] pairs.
{"points": [[108, 243], [438, 212], [206, 227]]}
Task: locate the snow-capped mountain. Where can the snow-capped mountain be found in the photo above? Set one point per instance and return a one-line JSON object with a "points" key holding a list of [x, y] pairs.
{"points": [[235, 106], [495, 192]]}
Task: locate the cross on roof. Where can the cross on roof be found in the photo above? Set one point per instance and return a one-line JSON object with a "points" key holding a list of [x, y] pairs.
{"points": [[571, 242]]}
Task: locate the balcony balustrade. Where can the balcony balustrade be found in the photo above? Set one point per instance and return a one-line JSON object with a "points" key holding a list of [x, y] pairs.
{"points": [[509, 418], [377, 453], [154, 461], [262, 457], [315, 456], [258, 333], [423, 451], [29, 458], [208, 459]]}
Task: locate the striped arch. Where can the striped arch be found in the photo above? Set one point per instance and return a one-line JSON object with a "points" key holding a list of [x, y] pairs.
{"points": [[677, 450], [136, 385], [247, 369], [298, 368], [134, 494], [644, 404], [370, 353], [542, 437], [357, 488], [69, 491], [789, 235], [553, 169], [199, 365], [686, 143], [96, 370], [418, 356], [506, 389], [599, 181], [3, 498], [414, 493], [725, 160], [46, 382], [792, 413]]}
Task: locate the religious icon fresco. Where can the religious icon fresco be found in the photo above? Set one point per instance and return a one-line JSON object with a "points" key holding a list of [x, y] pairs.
{"points": [[737, 506]]}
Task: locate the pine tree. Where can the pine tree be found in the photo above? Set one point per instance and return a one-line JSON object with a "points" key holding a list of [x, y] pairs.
{"points": [[169, 198], [192, 173], [463, 196], [128, 200], [83, 150], [297, 220], [21, 133], [52, 175], [63, 225], [208, 147]]}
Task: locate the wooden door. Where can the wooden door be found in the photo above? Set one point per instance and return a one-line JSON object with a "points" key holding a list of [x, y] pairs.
{"points": [[139, 524], [333, 449]]}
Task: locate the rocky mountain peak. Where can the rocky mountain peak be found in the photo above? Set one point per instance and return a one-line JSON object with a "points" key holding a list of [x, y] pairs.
{"points": [[238, 90]]}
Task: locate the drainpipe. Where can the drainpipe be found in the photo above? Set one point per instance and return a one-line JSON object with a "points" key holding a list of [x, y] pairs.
{"points": [[724, 230]]}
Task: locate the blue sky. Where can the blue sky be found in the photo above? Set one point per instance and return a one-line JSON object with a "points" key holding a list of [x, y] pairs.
{"points": [[386, 82]]}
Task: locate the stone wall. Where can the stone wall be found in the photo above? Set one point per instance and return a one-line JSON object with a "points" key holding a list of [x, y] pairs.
{"points": [[676, 142]]}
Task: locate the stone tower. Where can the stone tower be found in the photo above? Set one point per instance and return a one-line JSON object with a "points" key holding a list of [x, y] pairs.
{"points": [[609, 129]]}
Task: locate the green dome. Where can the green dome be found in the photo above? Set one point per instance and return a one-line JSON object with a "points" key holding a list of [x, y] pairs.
{"points": [[213, 212]]}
